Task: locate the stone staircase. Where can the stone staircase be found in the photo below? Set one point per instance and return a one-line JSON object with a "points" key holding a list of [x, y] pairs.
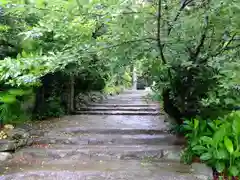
{"points": [[108, 141], [122, 109], [128, 103]]}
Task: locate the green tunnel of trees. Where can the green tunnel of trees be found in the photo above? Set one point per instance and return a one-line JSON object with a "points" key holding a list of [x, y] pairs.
{"points": [[189, 49]]}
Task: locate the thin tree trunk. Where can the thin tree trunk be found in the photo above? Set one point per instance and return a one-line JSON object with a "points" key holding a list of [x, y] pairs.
{"points": [[72, 95], [1, 123]]}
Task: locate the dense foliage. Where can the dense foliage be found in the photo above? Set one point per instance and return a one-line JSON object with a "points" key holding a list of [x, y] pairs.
{"points": [[190, 49], [215, 143], [200, 57], [45, 43]]}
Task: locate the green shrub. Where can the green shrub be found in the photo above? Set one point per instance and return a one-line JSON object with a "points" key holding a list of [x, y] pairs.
{"points": [[52, 107], [127, 80], [112, 90], [11, 110], [216, 142], [197, 90]]}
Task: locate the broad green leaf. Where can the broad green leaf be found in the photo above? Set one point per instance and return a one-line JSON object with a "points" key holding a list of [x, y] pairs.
{"points": [[199, 148], [236, 125], [228, 144], [187, 127], [8, 99], [234, 170], [236, 154], [206, 156], [16, 92], [196, 123], [218, 136], [206, 140], [220, 166], [221, 154], [212, 125]]}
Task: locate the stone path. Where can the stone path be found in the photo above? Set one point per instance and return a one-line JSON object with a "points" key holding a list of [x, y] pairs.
{"points": [[121, 139]]}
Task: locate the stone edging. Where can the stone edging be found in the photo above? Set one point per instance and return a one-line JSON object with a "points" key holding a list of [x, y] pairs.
{"points": [[17, 138], [202, 171]]}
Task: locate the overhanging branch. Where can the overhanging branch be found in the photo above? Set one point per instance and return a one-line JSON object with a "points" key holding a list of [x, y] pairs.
{"points": [[160, 47], [121, 44], [89, 13], [232, 47], [129, 42], [184, 4], [202, 40], [226, 46]]}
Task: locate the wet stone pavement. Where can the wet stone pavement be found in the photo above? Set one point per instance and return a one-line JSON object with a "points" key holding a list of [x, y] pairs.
{"points": [[100, 144]]}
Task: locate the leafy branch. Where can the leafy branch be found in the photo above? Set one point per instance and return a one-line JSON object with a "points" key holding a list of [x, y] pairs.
{"points": [[88, 13], [159, 32], [160, 45], [194, 55], [221, 48], [147, 39], [183, 6]]}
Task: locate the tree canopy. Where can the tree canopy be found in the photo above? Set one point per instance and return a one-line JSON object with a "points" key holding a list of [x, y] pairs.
{"points": [[190, 48]]}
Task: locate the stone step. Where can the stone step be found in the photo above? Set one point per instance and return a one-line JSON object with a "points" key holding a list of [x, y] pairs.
{"points": [[132, 93], [125, 97], [99, 175], [101, 152], [135, 91], [82, 130], [105, 139], [113, 123], [124, 112], [115, 165], [114, 108], [112, 165], [123, 101], [78, 132], [103, 170], [123, 105]]}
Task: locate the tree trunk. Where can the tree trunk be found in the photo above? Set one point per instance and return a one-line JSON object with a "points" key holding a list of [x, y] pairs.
{"points": [[170, 108], [1, 123], [39, 100], [71, 95]]}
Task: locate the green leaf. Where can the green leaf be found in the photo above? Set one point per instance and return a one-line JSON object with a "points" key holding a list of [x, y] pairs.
{"points": [[228, 144], [206, 140], [199, 148], [187, 127], [16, 92], [196, 123], [218, 136], [212, 126], [8, 99], [234, 170], [220, 166], [206, 156], [193, 142], [236, 125], [3, 2], [221, 154], [236, 154]]}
